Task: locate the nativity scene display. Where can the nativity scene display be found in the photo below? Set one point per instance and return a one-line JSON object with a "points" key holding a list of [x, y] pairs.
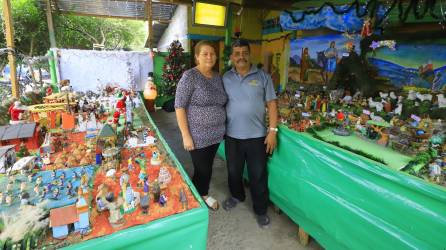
{"points": [[380, 95], [76, 170]]}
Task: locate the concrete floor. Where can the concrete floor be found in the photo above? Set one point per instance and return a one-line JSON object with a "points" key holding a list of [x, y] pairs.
{"points": [[236, 229]]}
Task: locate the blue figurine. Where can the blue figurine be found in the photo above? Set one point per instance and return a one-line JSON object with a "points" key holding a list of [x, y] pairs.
{"points": [[163, 199], [146, 184]]}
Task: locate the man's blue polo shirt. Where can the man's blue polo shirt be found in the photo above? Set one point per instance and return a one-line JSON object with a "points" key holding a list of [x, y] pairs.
{"points": [[245, 108]]}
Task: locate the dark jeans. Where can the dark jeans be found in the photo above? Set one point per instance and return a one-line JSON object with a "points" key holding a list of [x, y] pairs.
{"points": [[253, 152], [203, 159]]}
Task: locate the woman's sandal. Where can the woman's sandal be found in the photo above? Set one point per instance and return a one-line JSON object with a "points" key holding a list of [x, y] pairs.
{"points": [[212, 203]]}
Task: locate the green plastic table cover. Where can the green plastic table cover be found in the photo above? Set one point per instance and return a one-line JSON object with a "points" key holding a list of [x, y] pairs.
{"points": [[187, 230], [346, 201]]}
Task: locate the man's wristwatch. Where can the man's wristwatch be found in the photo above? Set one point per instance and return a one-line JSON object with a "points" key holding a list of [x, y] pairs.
{"points": [[273, 129]]}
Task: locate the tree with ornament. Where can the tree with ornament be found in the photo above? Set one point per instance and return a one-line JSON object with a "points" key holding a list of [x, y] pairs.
{"points": [[173, 69]]}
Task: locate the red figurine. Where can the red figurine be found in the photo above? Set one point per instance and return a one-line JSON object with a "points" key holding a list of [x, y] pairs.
{"points": [[340, 116], [366, 28], [16, 110]]}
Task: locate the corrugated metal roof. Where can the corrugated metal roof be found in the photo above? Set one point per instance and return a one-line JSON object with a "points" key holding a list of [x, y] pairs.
{"points": [[17, 131], [12, 131], [2, 131], [27, 130], [133, 9]]}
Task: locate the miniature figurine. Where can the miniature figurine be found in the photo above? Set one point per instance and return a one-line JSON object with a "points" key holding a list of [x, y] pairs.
{"points": [[156, 191], [163, 199], [183, 199], [22, 186], [116, 218], [56, 193], [164, 177], [130, 164], [9, 186], [16, 111], [155, 158], [101, 197], [70, 191], [141, 176], [366, 28], [145, 199], [24, 198], [8, 199]]}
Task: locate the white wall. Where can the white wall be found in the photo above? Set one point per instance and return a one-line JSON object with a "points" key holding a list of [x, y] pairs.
{"points": [[177, 30], [87, 69]]}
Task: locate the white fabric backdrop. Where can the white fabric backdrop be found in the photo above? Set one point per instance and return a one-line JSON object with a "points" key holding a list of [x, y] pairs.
{"points": [[86, 69]]}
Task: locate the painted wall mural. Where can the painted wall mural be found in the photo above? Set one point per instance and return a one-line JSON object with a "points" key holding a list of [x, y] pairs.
{"points": [[412, 63], [313, 60]]}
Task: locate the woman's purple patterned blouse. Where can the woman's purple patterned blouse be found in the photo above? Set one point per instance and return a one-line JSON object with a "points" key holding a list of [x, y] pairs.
{"points": [[204, 101]]}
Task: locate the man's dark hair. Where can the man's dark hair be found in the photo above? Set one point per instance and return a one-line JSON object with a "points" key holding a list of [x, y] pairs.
{"points": [[240, 43]]}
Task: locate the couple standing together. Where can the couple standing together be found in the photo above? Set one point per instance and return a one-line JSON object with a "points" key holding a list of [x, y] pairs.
{"points": [[210, 108]]}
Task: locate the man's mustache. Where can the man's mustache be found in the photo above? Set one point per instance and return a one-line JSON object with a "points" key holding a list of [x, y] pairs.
{"points": [[242, 60]]}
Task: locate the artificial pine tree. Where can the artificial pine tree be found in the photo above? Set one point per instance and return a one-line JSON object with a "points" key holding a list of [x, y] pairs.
{"points": [[173, 68]]}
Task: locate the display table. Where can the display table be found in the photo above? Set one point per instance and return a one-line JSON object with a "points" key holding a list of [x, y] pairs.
{"points": [[187, 230], [81, 219], [346, 201]]}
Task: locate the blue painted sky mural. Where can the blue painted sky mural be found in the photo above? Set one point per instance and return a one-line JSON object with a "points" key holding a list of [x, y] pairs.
{"points": [[418, 63], [316, 44], [327, 18]]}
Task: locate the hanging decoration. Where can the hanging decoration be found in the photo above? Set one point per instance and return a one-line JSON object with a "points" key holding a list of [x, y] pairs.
{"points": [[373, 9]]}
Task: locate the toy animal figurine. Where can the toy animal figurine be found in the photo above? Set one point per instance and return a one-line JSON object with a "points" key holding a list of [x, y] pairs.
{"points": [[425, 97], [383, 95], [412, 95], [441, 101], [399, 109], [376, 118], [392, 95]]}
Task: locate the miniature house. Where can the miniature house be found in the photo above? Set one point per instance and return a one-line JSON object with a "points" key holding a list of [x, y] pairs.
{"points": [[28, 133], [7, 158], [76, 214], [107, 135]]}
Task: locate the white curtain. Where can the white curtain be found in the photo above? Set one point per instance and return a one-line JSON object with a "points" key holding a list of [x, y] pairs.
{"points": [[89, 69]]}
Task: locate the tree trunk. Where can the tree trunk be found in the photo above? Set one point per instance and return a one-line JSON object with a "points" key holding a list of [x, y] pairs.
{"points": [[31, 46]]}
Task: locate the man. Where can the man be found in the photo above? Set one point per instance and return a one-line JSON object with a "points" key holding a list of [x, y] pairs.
{"points": [[247, 138]]}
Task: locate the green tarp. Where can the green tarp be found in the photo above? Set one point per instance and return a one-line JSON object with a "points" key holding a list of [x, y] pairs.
{"points": [[346, 201], [187, 230]]}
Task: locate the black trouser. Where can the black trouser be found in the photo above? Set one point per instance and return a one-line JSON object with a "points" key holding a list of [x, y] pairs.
{"points": [[203, 159], [253, 152]]}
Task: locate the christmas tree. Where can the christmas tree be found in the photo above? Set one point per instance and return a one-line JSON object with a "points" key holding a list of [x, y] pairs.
{"points": [[173, 69]]}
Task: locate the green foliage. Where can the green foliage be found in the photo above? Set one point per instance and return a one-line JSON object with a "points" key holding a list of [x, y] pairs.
{"points": [[82, 32], [173, 68], [30, 28], [31, 34]]}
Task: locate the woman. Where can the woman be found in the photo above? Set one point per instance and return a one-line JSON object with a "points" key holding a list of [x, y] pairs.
{"points": [[200, 108]]}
